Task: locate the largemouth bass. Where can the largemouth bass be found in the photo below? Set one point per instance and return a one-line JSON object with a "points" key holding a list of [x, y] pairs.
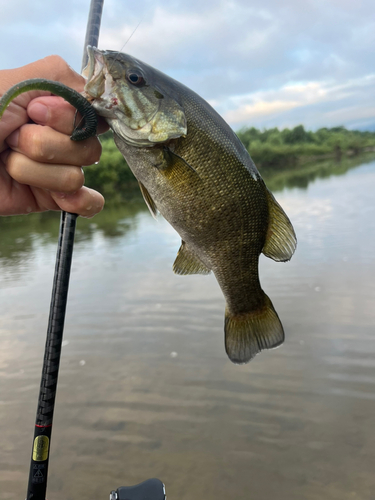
{"points": [[194, 170]]}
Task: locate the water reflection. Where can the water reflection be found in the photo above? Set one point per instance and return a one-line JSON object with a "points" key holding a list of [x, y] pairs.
{"points": [[302, 175], [146, 388], [24, 235]]}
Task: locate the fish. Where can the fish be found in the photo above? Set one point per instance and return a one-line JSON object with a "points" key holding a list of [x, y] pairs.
{"points": [[193, 170]]}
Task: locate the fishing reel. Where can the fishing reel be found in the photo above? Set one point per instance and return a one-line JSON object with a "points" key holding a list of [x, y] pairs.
{"points": [[152, 489]]}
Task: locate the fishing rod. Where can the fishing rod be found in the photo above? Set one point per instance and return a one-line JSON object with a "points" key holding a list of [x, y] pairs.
{"points": [[152, 489], [38, 475]]}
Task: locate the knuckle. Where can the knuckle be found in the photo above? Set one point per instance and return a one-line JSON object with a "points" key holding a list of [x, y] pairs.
{"points": [[36, 143], [92, 205], [33, 142], [57, 64], [13, 165], [62, 72], [74, 179], [93, 151], [86, 202]]}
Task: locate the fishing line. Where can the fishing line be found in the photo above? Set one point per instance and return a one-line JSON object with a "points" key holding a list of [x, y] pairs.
{"points": [[134, 30], [122, 48]]}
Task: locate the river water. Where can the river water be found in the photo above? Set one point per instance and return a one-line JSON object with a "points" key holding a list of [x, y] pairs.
{"points": [[146, 389]]}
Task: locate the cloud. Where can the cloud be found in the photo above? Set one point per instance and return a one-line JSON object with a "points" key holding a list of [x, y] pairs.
{"points": [[247, 113], [245, 58], [254, 108], [268, 62]]}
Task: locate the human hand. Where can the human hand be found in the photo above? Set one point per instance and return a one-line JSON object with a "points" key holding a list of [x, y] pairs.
{"points": [[40, 167]]}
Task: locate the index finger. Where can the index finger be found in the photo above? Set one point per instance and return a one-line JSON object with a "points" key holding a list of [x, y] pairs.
{"points": [[51, 68], [57, 114]]}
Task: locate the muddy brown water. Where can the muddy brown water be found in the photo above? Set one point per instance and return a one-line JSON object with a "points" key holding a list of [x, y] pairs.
{"points": [[146, 389]]}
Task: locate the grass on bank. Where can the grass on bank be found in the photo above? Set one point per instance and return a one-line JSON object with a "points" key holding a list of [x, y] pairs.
{"points": [[272, 150]]}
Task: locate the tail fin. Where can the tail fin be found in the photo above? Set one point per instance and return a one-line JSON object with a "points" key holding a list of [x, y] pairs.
{"points": [[249, 333]]}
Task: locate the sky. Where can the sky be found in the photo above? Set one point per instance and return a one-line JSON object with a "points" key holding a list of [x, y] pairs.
{"points": [[261, 63]]}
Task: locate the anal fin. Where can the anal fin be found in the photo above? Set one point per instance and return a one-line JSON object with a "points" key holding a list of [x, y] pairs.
{"points": [[281, 239], [188, 263], [149, 201]]}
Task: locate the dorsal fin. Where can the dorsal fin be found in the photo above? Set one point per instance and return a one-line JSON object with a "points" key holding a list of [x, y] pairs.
{"points": [[188, 263], [149, 201], [281, 239]]}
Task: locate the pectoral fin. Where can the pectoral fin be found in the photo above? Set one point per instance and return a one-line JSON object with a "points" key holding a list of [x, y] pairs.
{"points": [[281, 239], [165, 159], [149, 201], [173, 159], [188, 263]]}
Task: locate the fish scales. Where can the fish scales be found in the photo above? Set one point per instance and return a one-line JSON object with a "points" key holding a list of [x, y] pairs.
{"points": [[194, 170]]}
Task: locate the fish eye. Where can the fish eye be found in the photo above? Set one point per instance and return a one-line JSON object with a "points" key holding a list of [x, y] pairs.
{"points": [[135, 78]]}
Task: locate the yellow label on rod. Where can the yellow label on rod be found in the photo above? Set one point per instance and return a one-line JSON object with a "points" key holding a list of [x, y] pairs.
{"points": [[40, 449]]}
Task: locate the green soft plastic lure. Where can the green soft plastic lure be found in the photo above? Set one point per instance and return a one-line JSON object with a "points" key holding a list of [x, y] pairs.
{"points": [[88, 129]]}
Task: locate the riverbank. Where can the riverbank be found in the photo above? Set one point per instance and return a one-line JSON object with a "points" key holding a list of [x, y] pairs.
{"points": [[273, 151]]}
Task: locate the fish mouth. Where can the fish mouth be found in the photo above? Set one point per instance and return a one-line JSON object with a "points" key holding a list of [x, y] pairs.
{"points": [[95, 73], [100, 86], [88, 70], [138, 118]]}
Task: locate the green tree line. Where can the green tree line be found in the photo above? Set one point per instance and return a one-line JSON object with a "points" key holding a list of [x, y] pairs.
{"points": [[274, 148], [271, 149], [111, 176]]}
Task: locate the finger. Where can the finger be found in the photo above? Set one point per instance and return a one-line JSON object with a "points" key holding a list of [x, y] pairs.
{"points": [[24, 170], [57, 114], [51, 67], [85, 202], [45, 145]]}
